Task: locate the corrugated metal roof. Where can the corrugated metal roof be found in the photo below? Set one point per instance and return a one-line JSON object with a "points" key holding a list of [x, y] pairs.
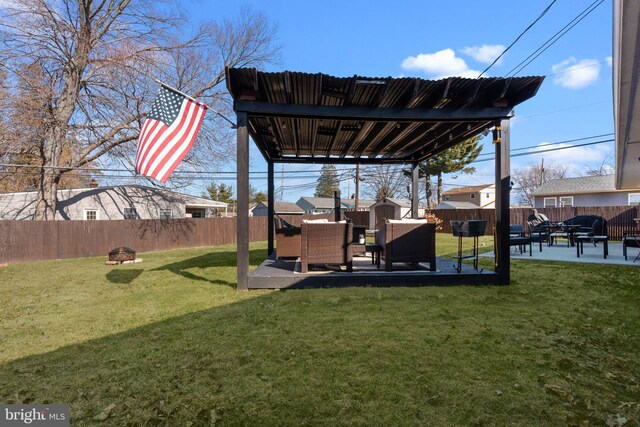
{"points": [[582, 184], [350, 137]]}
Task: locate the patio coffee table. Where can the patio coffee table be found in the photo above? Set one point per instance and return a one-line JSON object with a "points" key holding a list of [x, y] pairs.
{"points": [[581, 239]]}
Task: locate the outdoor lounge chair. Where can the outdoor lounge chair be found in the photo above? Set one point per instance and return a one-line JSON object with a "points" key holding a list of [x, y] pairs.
{"points": [[326, 243], [408, 241]]}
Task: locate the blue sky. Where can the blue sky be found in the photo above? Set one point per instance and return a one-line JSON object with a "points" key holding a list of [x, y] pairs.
{"points": [[435, 39]]}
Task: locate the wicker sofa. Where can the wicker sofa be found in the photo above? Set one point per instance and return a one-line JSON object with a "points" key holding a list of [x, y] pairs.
{"points": [[408, 241], [326, 243]]}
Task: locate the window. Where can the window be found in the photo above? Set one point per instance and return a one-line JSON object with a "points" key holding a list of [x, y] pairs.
{"points": [[566, 201], [196, 214], [165, 213], [91, 214], [549, 202], [446, 198], [130, 213], [472, 195], [634, 198]]}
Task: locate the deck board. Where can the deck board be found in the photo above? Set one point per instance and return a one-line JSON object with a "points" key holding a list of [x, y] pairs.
{"points": [[280, 274]]}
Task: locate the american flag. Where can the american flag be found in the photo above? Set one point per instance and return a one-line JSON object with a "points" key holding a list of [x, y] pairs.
{"points": [[167, 134]]}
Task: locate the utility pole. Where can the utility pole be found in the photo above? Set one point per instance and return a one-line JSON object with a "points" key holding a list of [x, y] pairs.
{"points": [[356, 204], [282, 184]]}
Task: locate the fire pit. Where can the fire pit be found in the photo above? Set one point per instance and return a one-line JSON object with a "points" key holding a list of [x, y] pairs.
{"points": [[122, 255]]}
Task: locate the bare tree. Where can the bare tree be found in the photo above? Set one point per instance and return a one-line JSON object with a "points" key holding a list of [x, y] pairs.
{"points": [[384, 181], [92, 66], [605, 168], [530, 178]]}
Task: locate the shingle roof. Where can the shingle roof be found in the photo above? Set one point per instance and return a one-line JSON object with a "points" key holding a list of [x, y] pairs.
{"points": [[456, 205], [362, 203], [582, 184], [465, 190], [283, 207], [320, 202]]}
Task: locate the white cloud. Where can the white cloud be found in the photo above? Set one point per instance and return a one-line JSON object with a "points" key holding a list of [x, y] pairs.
{"points": [[574, 74], [441, 64], [485, 53], [609, 60]]}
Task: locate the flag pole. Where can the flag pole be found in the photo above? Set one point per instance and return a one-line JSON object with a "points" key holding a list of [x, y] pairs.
{"points": [[233, 125]]}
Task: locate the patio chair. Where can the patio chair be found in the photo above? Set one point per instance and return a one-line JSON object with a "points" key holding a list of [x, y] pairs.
{"points": [[518, 237], [596, 233], [408, 241], [326, 243], [539, 233], [287, 239], [630, 239]]}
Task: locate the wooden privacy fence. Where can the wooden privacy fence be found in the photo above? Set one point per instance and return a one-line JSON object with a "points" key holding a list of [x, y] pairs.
{"points": [[22, 241], [619, 218], [41, 240]]}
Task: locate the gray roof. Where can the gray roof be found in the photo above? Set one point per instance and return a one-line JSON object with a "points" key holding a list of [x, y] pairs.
{"points": [[283, 207], [362, 203], [450, 204], [582, 184], [320, 202]]}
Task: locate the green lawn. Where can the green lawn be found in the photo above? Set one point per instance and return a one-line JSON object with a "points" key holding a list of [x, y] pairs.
{"points": [[170, 342]]}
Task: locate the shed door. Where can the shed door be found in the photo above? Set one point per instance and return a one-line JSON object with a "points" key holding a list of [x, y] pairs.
{"points": [[382, 212]]}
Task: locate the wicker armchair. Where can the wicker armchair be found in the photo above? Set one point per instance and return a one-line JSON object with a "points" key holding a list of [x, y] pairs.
{"points": [[410, 242], [326, 243]]}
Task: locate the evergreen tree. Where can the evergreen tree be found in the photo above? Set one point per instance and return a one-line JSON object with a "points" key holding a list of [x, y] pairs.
{"points": [[456, 159], [220, 192], [451, 160], [256, 196], [328, 182]]}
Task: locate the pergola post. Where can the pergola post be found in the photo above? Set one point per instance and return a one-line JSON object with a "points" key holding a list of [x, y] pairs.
{"points": [[243, 200], [270, 207], [503, 187], [414, 189]]}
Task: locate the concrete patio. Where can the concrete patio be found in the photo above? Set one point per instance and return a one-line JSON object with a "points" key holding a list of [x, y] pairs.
{"points": [[592, 255]]}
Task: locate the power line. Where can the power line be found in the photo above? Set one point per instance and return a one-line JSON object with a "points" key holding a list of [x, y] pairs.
{"points": [[555, 143], [549, 149], [544, 12], [553, 39]]}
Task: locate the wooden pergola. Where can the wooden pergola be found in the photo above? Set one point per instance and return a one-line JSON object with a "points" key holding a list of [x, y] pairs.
{"points": [[316, 118]]}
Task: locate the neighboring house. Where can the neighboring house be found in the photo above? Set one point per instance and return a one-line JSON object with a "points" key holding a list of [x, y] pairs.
{"points": [[280, 208], [111, 203], [584, 191], [473, 197], [316, 205]]}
